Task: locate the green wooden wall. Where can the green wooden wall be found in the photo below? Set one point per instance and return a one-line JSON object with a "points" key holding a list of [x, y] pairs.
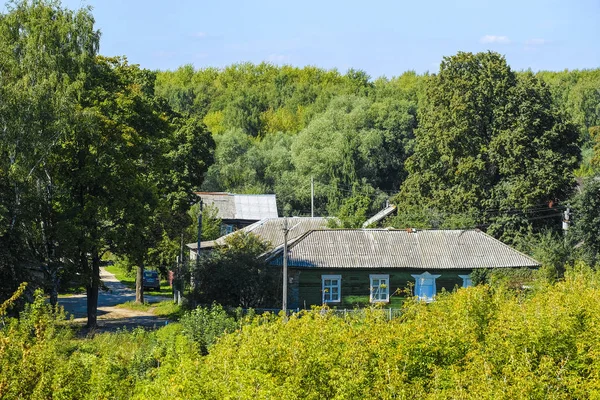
{"points": [[306, 287]]}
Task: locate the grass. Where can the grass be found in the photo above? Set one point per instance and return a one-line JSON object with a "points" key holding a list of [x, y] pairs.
{"points": [[128, 279], [166, 308], [71, 289], [67, 295]]}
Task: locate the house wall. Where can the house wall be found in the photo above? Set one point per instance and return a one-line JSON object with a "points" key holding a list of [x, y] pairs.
{"points": [[235, 225], [306, 286]]}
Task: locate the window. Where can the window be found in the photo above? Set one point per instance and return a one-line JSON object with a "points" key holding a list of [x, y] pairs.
{"points": [[380, 288], [466, 280], [226, 229], [150, 274], [425, 286], [331, 285]]}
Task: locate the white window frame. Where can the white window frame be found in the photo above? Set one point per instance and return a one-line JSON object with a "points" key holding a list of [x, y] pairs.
{"points": [[373, 290], [467, 282], [418, 278], [325, 289]]}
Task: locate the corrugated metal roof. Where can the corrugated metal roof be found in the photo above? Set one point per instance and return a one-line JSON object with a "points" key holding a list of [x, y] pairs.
{"points": [[255, 206], [386, 212], [241, 206], [271, 230], [382, 248]]}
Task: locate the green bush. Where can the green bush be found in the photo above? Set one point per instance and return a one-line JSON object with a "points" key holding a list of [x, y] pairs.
{"points": [[479, 342], [205, 325], [485, 341], [30, 348]]}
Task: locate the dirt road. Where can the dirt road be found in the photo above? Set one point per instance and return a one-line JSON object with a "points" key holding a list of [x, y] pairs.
{"points": [[111, 317]]}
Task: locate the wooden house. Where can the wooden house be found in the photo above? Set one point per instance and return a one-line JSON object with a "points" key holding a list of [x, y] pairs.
{"points": [[340, 267]]}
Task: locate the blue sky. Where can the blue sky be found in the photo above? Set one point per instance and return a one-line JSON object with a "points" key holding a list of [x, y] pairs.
{"points": [[379, 37]]}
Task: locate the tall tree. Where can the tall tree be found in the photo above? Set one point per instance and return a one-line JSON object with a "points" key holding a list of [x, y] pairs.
{"points": [[99, 165], [489, 144], [586, 222], [46, 52], [177, 171], [139, 162], [355, 142]]}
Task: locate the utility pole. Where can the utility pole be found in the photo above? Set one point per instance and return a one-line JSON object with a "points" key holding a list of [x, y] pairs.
{"points": [[566, 220], [312, 197], [181, 250], [175, 282], [285, 268], [178, 276], [193, 281], [199, 233]]}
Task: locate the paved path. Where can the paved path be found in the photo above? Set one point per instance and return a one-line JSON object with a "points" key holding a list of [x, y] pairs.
{"points": [[109, 316]]}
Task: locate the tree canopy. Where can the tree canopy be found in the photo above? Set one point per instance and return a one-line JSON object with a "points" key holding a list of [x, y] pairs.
{"points": [[490, 144], [91, 159]]}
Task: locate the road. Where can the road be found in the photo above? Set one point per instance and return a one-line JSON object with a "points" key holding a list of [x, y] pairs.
{"points": [[111, 317]]}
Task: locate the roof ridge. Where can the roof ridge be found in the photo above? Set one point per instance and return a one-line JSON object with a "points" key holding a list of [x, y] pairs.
{"points": [[391, 229]]}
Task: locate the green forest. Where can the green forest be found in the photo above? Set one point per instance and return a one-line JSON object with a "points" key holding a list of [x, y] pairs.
{"points": [[100, 158]]}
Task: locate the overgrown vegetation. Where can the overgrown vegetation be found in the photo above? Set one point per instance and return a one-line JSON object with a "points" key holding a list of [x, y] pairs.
{"points": [[480, 342], [205, 325]]}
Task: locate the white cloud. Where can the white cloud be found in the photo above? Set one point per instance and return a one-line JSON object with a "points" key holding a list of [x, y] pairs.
{"points": [[494, 39], [536, 42], [200, 35], [278, 58]]}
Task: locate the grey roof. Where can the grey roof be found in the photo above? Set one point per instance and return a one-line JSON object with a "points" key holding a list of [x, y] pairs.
{"points": [[241, 206], [386, 212], [271, 230], [383, 248]]}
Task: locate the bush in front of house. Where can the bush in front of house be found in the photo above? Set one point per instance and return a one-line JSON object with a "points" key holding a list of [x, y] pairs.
{"points": [[478, 342], [235, 274]]}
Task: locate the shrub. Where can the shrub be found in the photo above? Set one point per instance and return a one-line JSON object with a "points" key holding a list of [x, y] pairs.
{"points": [[479, 342], [205, 325], [236, 275]]}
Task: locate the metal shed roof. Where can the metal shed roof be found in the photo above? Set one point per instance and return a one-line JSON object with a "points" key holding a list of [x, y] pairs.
{"points": [[241, 206], [386, 212], [271, 230], [383, 248]]}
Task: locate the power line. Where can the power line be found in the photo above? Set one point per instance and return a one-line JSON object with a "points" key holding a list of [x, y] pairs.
{"points": [[488, 213]]}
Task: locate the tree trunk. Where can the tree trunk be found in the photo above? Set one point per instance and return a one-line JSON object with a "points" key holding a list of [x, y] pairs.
{"points": [[54, 288], [139, 284], [49, 232], [92, 290]]}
